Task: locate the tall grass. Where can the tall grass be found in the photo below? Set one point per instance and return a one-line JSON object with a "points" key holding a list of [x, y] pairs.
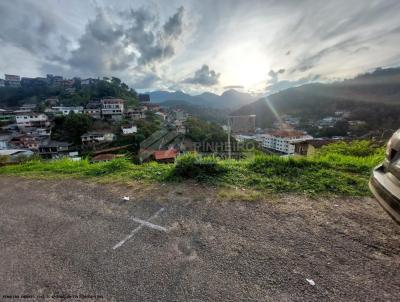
{"points": [[337, 169]]}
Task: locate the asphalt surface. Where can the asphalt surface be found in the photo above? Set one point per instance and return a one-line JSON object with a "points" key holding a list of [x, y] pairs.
{"points": [[57, 239]]}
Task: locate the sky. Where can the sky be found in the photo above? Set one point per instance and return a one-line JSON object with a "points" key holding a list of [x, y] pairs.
{"points": [[256, 46]]}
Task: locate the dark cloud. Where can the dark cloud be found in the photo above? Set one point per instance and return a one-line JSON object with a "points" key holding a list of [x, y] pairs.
{"points": [[135, 39], [204, 76], [153, 44], [173, 27], [28, 27], [274, 75], [101, 48]]}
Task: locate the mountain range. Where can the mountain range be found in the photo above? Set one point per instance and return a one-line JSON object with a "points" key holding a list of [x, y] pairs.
{"points": [[373, 97], [230, 99]]}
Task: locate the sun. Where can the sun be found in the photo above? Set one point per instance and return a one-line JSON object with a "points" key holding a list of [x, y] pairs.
{"points": [[246, 66]]}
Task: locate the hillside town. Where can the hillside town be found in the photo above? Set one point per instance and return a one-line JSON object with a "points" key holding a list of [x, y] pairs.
{"points": [[29, 129], [114, 124]]}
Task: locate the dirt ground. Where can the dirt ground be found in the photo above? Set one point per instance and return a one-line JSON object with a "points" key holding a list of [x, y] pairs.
{"points": [[179, 243]]}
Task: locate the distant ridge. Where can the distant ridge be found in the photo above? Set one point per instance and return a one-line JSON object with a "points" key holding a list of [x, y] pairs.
{"points": [[231, 99], [373, 97]]}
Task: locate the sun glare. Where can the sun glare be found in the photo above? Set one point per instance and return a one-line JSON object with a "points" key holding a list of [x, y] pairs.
{"points": [[246, 66]]}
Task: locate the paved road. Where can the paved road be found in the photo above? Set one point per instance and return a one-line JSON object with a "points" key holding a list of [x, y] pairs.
{"points": [[57, 238]]}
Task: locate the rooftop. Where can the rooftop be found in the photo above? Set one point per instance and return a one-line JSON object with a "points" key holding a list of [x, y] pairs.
{"points": [[165, 154], [286, 133]]}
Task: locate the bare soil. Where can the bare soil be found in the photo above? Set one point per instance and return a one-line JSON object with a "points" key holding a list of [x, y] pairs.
{"points": [[57, 238]]}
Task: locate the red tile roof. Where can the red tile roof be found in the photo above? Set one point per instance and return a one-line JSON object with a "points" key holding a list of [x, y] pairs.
{"points": [[165, 154]]}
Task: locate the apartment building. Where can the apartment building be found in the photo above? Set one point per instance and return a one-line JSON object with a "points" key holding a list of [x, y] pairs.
{"points": [[283, 140], [12, 80], [112, 109], [32, 119]]}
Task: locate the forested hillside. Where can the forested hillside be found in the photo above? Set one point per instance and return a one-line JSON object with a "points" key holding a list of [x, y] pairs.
{"points": [[78, 95], [374, 98]]}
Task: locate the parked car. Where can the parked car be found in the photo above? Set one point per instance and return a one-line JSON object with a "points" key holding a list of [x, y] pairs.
{"points": [[385, 180]]}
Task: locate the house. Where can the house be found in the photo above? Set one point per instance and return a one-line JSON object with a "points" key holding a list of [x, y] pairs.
{"points": [[5, 138], [7, 116], [144, 98], [178, 114], [329, 121], [52, 149], [165, 156], [13, 155], [54, 80], [31, 119], [162, 115], [68, 83], [135, 114], [12, 80], [152, 106], [67, 110], [94, 113], [52, 101], [88, 81], [27, 107], [309, 147], [128, 129], [163, 140], [97, 137], [179, 126], [2, 83], [112, 109], [28, 142], [243, 123], [282, 141]]}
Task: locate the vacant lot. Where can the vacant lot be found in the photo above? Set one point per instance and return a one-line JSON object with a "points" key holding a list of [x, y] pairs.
{"points": [[70, 237]]}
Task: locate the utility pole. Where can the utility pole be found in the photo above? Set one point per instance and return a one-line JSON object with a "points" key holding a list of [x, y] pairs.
{"points": [[229, 138]]}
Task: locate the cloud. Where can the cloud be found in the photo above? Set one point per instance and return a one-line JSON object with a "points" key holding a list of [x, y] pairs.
{"points": [[204, 76], [112, 42], [31, 28], [102, 48], [146, 80], [109, 46], [285, 84], [153, 44], [234, 87], [274, 75]]}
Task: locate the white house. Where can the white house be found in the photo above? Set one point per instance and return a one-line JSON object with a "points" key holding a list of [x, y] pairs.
{"points": [[67, 110], [128, 129], [283, 140], [31, 119], [97, 137]]}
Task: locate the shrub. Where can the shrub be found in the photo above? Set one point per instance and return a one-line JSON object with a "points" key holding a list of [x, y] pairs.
{"points": [[113, 166], [361, 148], [196, 167], [275, 165]]}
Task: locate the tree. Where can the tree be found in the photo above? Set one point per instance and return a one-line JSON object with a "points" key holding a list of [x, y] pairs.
{"points": [[71, 127]]}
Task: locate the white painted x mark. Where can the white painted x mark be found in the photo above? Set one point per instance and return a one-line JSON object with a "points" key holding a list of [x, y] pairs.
{"points": [[142, 223]]}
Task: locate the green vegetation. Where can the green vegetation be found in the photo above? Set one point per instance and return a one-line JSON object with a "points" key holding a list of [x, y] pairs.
{"points": [[200, 168], [71, 127], [373, 98], [339, 169], [10, 96]]}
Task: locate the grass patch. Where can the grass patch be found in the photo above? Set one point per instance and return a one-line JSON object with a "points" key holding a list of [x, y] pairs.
{"points": [[339, 169]]}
